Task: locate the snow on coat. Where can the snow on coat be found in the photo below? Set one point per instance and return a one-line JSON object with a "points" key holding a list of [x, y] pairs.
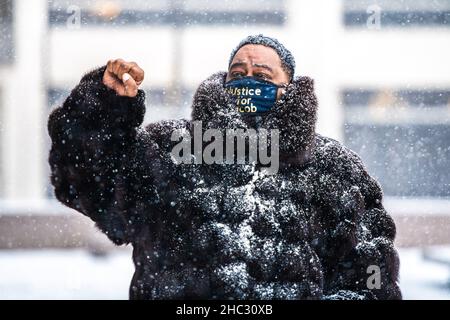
{"points": [[224, 231]]}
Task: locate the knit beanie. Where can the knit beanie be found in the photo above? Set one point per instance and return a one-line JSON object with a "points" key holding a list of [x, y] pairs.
{"points": [[286, 57]]}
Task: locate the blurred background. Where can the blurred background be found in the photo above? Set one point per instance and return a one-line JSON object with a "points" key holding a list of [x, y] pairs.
{"points": [[382, 75]]}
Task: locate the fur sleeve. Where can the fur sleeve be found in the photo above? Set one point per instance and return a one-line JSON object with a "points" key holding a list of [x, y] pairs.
{"points": [[369, 270], [367, 264], [94, 137]]}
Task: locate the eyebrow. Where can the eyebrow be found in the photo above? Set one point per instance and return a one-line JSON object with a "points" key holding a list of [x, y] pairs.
{"points": [[258, 65], [264, 66], [238, 64]]}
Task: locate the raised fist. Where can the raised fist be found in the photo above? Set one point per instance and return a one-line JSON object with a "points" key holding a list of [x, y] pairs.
{"points": [[123, 77]]}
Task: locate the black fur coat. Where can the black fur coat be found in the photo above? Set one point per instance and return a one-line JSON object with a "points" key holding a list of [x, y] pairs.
{"points": [[311, 231]]}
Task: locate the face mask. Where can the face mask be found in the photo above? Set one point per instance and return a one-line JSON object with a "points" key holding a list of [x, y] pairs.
{"points": [[252, 96]]}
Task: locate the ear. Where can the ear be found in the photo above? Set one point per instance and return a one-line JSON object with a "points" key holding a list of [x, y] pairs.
{"points": [[281, 92]]}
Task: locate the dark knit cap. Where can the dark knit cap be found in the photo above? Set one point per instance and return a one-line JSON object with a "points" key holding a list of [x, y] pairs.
{"points": [[286, 57]]}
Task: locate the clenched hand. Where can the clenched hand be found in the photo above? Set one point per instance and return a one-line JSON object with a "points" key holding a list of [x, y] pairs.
{"points": [[123, 77]]}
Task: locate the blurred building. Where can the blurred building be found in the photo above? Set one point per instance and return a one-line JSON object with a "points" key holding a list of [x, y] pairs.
{"points": [[381, 70]]}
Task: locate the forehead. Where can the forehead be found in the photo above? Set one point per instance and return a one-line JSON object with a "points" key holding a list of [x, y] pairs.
{"points": [[254, 53]]}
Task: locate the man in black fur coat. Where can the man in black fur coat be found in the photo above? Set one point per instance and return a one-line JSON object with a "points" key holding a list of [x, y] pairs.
{"points": [[316, 229]]}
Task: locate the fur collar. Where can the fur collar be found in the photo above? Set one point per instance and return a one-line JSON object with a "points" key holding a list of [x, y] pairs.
{"points": [[294, 115]]}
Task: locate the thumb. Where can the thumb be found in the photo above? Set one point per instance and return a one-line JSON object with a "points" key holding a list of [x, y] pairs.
{"points": [[131, 88]]}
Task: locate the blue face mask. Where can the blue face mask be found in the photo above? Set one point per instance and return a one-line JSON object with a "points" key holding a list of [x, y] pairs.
{"points": [[252, 96]]}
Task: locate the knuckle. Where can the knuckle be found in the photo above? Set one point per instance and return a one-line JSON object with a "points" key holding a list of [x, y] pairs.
{"points": [[134, 69], [138, 71]]}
